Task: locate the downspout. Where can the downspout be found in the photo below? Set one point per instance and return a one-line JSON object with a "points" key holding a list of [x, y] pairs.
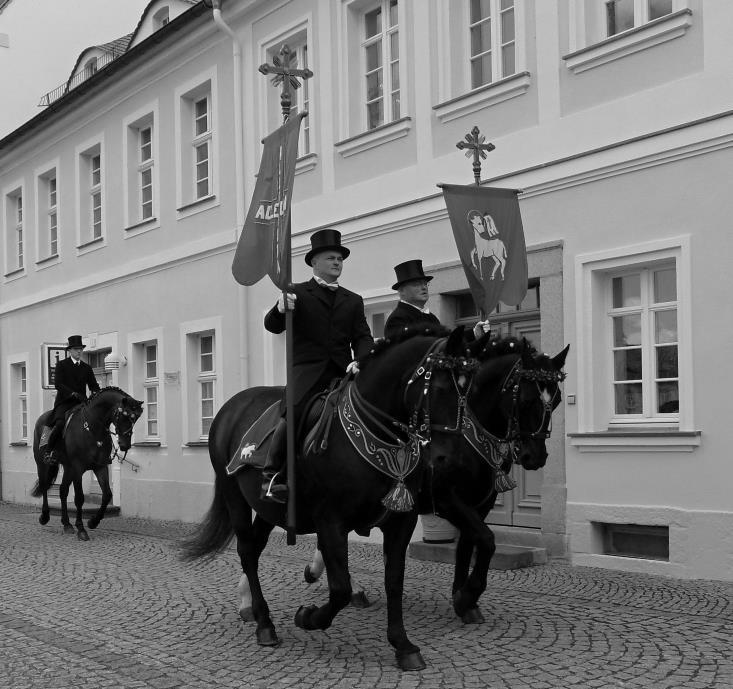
{"points": [[242, 293]]}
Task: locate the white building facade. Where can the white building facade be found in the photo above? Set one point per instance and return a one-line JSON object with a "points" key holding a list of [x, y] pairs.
{"points": [[121, 204]]}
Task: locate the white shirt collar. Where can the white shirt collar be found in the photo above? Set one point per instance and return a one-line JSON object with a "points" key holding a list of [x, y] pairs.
{"points": [[424, 309], [328, 285]]}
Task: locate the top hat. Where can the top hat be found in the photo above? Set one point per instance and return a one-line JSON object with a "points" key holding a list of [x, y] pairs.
{"points": [[75, 341], [325, 240], [409, 270]]}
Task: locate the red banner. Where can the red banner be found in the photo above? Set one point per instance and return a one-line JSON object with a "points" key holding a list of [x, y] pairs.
{"points": [[264, 245], [488, 231]]}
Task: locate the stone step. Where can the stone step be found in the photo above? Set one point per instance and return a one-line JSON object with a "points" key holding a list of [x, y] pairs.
{"points": [[91, 505], [505, 557]]}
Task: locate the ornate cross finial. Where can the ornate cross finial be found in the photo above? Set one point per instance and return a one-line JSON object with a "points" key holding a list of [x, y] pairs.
{"points": [[474, 142], [285, 74]]}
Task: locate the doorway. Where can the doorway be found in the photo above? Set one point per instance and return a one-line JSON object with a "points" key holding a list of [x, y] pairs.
{"points": [[521, 506]]}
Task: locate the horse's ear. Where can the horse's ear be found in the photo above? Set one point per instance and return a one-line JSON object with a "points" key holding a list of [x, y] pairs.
{"points": [[559, 361], [454, 346]]}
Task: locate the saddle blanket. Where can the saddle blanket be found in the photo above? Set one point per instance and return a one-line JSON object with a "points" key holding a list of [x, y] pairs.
{"points": [[44, 436], [255, 443]]}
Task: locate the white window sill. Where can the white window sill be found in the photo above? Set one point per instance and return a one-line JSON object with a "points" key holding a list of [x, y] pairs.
{"points": [[197, 206], [632, 41], [647, 440], [306, 163], [15, 274], [91, 245], [374, 137], [491, 94], [141, 227]]}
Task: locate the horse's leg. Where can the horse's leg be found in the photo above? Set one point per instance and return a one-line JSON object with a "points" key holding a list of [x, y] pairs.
{"points": [[45, 511], [102, 474], [81, 532], [466, 593], [260, 531], [314, 570], [334, 543], [64, 495], [464, 551], [397, 533]]}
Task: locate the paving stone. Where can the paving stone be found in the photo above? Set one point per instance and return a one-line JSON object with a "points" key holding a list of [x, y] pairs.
{"points": [[122, 611]]}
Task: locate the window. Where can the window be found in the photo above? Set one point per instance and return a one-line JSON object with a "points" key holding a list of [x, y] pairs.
{"points": [[303, 101], [151, 385], [492, 41], [90, 67], [206, 376], [195, 126], [202, 147], [622, 15], [53, 237], [90, 180], [602, 31], [19, 411], [145, 172], [634, 348], [381, 64], [644, 343], [161, 18], [481, 51]]}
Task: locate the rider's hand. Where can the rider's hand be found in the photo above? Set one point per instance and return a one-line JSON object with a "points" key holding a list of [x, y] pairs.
{"points": [[481, 328], [281, 302], [77, 396], [353, 367]]}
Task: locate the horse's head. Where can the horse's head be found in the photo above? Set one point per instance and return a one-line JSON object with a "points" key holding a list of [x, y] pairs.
{"points": [[126, 412], [514, 394]]}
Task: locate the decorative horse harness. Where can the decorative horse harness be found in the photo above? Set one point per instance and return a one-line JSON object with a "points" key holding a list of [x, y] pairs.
{"points": [[398, 455], [119, 414]]}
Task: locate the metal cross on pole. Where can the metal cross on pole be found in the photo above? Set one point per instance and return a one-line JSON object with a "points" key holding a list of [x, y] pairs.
{"points": [[285, 74], [476, 147]]}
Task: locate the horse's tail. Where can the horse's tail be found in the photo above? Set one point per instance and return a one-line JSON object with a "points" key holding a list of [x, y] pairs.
{"points": [[45, 482], [213, 534]]}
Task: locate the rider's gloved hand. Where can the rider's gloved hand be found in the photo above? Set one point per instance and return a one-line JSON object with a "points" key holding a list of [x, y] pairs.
{"points": [[281, 302], [481, 328], [353, 367], [77, 397]]}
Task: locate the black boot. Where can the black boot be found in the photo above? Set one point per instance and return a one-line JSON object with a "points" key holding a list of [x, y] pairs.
{"points": [[273, 479], [50, 456]]}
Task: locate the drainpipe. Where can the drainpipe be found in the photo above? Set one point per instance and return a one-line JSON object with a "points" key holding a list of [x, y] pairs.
{"points": [[242, 293]]}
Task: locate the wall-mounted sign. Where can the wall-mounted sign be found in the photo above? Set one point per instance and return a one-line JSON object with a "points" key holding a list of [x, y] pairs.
{"points": [[51, 354]]}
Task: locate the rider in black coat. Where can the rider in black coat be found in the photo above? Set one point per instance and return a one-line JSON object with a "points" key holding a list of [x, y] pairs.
{"points": [[330, 332], [72, 378]]}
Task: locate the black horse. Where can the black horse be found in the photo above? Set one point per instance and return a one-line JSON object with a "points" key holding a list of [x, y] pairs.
{"points": [[86, 445], [387, 414], [506, 395]]}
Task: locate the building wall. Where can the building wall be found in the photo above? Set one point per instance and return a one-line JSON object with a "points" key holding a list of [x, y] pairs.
{"points": [[619, 147]]}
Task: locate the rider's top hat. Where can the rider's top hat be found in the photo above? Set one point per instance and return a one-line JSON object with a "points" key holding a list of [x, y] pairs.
{"points": [[409, 270], [325, 240], [75, 341]]}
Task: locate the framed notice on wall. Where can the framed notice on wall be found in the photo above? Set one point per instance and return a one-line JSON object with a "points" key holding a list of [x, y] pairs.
{"points": [[51, 354]]}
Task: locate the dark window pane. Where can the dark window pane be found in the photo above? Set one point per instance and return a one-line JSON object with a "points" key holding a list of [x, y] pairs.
{"points": [[619, 16], [658, 8], [479, 10], [668, 398], [374, 56], [507, 26], [375, 114], [481, 71], [627, 364], [508, 66], [373, 23], [628, 398], [481, 38], [393, 13], [374, 85], [665, 326], [667, 362]]}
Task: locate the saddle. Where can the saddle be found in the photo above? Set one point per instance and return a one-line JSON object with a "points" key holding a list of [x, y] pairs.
{"points": [[314, 426], [47, 430]]}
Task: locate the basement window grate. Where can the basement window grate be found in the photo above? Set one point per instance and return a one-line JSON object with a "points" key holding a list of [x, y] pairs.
{"points": [[636, 540]]}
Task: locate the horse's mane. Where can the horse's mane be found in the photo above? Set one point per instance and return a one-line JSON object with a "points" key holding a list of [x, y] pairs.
{"points": [[383, 344], [501, 346], [97, 393]]}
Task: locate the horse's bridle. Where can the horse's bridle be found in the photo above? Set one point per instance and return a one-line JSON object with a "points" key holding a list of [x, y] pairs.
{"points": [[119, 412]]}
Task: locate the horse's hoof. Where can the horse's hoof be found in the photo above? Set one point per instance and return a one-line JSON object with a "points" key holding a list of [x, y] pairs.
{"points": [[246, 614], [360, 600], [93, 523], [82, 535], [472, 616], [68, 528], [267, 637], [43, 519], [411, 662], [309, 578], [302, 616]]}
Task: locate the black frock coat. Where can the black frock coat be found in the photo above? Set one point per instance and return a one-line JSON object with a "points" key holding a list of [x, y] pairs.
{"points": [[71, 378], [407, 316], [329, 331]]}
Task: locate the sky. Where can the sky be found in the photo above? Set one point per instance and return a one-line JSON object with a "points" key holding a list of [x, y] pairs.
{"points": [[40, 41]]}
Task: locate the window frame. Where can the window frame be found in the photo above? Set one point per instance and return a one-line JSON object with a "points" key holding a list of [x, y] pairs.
{"points": [[594, 412], [136, 167], [497, 44], [151, 383], [18, 231], [204, 378], [18, 399]]}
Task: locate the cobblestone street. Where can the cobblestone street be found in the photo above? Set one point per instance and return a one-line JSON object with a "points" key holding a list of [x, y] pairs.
{"points": [[121, 611]]}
